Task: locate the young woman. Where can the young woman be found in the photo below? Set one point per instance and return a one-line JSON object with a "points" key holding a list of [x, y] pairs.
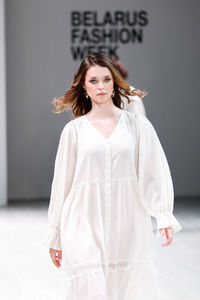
{"points": [[111, 175]]}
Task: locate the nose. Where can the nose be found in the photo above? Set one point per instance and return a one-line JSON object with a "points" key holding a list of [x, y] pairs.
{"points": [[100, 85]]}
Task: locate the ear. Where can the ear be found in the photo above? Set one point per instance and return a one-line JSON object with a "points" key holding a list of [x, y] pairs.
{"points": [[83, 85]]}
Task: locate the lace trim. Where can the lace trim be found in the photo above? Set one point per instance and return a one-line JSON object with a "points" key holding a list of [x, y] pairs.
{"points": [[82, 269]]}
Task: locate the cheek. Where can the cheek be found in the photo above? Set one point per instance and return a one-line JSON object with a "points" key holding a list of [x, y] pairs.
{"points": [[110, 86], [89, 87]]}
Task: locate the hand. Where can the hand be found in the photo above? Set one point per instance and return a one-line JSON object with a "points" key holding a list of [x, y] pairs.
{"points": [[56, 256], [168, 234]]}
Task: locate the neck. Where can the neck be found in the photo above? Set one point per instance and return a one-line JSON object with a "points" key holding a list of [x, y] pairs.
{"points": [[103, 110]]}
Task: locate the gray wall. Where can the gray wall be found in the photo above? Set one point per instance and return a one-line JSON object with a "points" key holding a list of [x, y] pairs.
{"points": [[3, 123], [40, 66]]}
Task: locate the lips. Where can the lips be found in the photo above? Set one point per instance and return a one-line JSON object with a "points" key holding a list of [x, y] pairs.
{"points": [[101, 94]]}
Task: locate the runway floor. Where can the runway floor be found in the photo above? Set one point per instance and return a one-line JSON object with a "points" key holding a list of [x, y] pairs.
{"points": [[27, 273]]}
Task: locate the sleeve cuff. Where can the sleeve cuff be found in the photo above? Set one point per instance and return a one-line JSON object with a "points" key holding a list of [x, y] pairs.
{"points": [[52, 239], [166, 221]]}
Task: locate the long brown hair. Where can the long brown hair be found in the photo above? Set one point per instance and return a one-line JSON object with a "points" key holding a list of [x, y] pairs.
{"points": [[75, 98]]}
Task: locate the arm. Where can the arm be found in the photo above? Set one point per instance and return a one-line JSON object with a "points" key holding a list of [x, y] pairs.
{"points": [[154, 177], [64, 170]]}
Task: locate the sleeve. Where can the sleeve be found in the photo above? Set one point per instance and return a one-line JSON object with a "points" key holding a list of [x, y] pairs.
{"points": [[136, 105], [64, 169], [154, 177]]}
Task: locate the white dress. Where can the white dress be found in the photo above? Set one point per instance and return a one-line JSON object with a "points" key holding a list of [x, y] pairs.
{"points": [[103, 194]]}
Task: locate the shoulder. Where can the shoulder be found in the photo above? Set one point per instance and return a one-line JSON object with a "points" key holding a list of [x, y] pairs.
{"points": [[139, 120], [73, 125], [134, 116], [69, 129], [69, 125]]}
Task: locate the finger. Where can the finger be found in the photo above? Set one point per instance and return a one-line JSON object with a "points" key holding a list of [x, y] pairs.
{"points": [[60, 256], [56, 262], [53, 254], [59, 253], [169, 232], [52, 251], [169, 237], [162, 233], [54, 257], [167, 242]]}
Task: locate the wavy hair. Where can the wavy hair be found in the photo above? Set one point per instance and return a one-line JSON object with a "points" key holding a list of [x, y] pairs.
{"points": [[75, 98]]}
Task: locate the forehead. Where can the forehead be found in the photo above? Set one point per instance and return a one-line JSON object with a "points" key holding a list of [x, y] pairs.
{"points": [[98, 72]]}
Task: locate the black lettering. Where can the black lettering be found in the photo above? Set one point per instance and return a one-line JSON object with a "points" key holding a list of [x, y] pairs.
{"points": [[115, 29], [112, 52], [84, 36], [74, 35], [96, 35], [124, 35], [96, 23], [91, 49], [131, 18], [102, 49], [75, 18], [78, 52], [137, 34], [87, 18], [81, 52], [143, 18], [106, 35], [114, 36], [119, 18], [108, 19]]}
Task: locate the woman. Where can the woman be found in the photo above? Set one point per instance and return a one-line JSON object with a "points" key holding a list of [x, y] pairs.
{"points": [[111, 175], [135, 103]]}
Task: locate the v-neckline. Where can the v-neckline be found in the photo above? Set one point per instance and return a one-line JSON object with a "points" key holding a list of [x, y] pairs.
{"points": [[101, 134]]}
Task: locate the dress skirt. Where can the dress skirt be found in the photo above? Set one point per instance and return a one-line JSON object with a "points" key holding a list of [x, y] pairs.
{"points": [[137, 284]]}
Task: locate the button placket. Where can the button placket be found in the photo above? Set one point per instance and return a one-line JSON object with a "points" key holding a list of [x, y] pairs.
{"points": [[108, 196]]}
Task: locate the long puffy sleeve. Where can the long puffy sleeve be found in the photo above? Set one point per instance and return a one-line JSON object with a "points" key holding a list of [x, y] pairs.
{"points": [[136, 105], [154, 177], [64, 169]]}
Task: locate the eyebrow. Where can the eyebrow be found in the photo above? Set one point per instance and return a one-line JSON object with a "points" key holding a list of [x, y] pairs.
{"points": [[96, 77]]}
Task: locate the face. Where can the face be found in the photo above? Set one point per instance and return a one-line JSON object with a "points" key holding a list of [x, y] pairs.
{"points": [[99, 84]]}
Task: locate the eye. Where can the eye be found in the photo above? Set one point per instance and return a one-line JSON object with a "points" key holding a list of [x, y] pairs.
{"points": [[107, 79], [93, 81]]}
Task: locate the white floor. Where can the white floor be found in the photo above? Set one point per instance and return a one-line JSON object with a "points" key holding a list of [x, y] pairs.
{"points": [[27, 273]]}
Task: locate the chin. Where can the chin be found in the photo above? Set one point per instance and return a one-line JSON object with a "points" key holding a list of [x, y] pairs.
{"points": [[102, 99]]}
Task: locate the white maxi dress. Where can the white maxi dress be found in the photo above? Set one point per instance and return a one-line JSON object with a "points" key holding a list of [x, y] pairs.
{"points": [[103, 194]]}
